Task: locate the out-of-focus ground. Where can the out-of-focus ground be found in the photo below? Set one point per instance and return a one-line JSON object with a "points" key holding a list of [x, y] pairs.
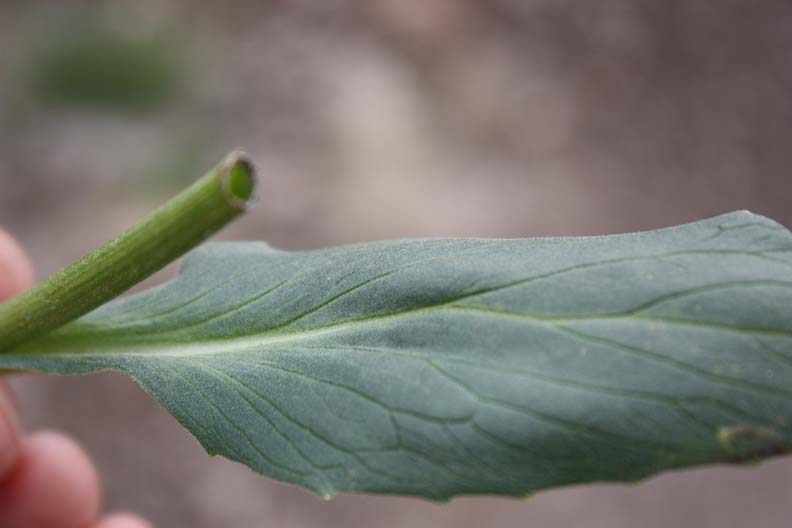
{"points": [[384, 119]]}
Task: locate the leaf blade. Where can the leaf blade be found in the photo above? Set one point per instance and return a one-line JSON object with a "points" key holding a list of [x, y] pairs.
{"points": [[445, 367]]}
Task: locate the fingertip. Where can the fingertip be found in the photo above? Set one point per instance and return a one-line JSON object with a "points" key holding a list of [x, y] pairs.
{"points": [[16, 270], [123, 520], [53, 483]]}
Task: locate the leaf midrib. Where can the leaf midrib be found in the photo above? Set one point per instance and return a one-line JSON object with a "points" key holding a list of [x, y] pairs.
{"points": [[271, 336]]}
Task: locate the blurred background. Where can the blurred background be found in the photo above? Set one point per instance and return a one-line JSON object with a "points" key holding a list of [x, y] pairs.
{"points": [[384, 119]]}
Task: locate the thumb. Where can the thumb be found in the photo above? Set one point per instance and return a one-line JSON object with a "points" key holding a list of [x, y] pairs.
{"points": [[16, 271]]}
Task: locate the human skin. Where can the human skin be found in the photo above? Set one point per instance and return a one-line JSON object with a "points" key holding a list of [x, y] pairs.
{"points": [[46, 479]]}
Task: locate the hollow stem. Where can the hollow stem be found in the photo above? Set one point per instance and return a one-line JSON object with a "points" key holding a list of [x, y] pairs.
{"points": [[165, 235]]}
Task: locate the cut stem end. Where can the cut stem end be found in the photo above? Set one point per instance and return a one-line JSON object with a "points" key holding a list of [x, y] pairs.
{"points": [[238, 179]]}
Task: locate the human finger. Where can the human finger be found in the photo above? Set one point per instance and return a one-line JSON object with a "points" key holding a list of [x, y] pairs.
{"points": [[9, 431], [53, 484], [16, 271], [123, 520]]}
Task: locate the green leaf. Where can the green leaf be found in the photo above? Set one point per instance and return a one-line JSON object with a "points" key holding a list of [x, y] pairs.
{"points": [[445, 367]]}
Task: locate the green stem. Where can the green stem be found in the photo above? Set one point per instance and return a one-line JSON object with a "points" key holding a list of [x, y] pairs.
{"points": [[165, 235]]}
